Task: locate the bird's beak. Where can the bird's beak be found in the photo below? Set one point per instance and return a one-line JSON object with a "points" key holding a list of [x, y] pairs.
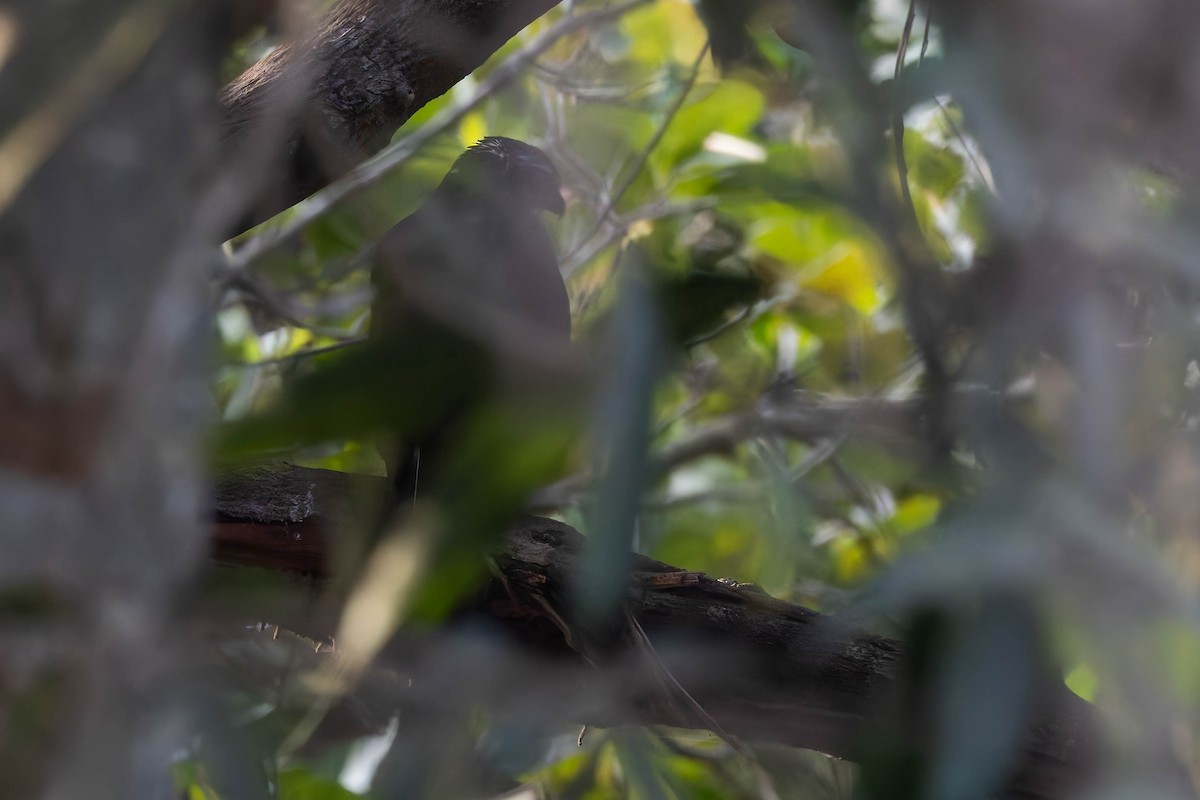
{"points": [[555, 203], [544, 190]]}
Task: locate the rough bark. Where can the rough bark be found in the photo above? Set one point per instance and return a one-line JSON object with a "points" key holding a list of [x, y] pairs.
{"points": [[772, 670], [371, 64]]}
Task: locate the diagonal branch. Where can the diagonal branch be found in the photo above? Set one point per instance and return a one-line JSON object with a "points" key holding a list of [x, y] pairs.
{"points": [[369, 172]]}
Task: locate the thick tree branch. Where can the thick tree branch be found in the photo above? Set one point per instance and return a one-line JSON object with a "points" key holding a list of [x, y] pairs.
{"points": [[368, 172], [369, 66], [755, 666]]}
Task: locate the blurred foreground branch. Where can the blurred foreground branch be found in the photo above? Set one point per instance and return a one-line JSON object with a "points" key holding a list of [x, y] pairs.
{"points": [[896, 424], [755, 666]]}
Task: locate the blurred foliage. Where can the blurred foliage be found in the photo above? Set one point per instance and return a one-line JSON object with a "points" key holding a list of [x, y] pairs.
{"points": [[784, 268]]}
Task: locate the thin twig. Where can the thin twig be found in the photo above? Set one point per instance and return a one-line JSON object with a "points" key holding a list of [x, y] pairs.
{"points": [[671, 682], [888, 423], [958, 134], [925, 35], [280, 307], [898, 115], [708, 336], [301, 354], [560, 80], [644, 154], [966, 146], [657, 209], [734, 495]]}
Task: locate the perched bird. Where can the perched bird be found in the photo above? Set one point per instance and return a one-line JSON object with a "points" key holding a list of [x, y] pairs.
{"points": [[477, 259]]}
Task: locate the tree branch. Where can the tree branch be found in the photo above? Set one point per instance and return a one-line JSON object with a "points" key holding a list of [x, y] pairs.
{"points": [[370, 171], [368, 67], [759, 667]]}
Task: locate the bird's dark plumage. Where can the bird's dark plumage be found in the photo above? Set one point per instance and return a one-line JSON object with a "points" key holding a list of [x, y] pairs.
{"points": [[476, 258]]}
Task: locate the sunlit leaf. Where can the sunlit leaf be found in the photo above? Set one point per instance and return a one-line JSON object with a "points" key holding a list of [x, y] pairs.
{"points": [[852, 562], [1082, 680], [472, 129], [663, 32], [938, 170], [300, 784], [729, 106], [915, 513], [848, 276]]}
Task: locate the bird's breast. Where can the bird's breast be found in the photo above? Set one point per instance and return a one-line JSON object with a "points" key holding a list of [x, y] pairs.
{"points": [[488, 268]]}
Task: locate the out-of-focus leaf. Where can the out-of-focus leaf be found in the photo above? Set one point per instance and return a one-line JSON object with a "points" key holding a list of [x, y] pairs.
{"points": [[358, 391], [848, 276], [790, 177], [624, 427], [745, 369], [639, 764], [1160, 194], [938, 170], [574, 770], [975, 215], [852, 560], [663, 32], [189, 781], [697, 303], [729, 106], [1083, 681], [605, 136], [300, 784], [726, 21], [1178, 649], [472, 129], [866, 357], [915, 513], [719, 538], [985, 699], [809, 242], [692, 778], [509, 448], [382, 596], [807, 774], [785, 536]]}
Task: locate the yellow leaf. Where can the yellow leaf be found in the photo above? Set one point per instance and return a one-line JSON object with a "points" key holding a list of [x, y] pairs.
{"points": [[472, 129], [915, 513], [850, 562], [667, 29], [848, 276]]}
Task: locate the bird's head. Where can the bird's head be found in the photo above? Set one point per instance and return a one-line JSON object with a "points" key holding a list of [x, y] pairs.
{"points": [[511, 166]]}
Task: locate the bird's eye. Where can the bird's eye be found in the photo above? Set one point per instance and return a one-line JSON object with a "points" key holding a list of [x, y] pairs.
{"points": [[535, 161], [543, 187]]}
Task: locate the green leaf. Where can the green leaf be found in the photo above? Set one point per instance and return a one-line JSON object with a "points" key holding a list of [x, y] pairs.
{"points": [[300, 784], [663, 32], [938, 170], [730, 106], [606, 136], [698, 303]]}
